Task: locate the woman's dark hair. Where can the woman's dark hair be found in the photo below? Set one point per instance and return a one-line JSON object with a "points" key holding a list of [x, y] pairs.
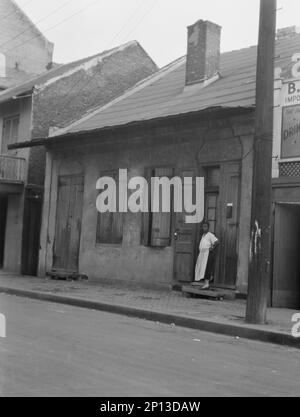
{"points": [[206, 223]]}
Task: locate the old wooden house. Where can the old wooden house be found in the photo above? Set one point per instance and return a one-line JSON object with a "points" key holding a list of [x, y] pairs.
{"points": [[195, 117]]}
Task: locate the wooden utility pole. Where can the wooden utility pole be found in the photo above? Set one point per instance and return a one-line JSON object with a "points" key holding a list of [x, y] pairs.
{"points": [[260, 252]]}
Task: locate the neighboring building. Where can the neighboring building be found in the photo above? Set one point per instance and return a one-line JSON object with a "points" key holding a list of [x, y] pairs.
{"points": [[50, 101], [194, 117], [286, 182], [24, 50]]}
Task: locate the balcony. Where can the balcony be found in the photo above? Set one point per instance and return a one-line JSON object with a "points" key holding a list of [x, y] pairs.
{"points": [[12, 174]]}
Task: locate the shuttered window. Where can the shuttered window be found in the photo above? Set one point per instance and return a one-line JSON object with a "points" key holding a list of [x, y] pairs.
{"points": [[213, 178], [212, 210], [157, 227], [10, 132], [110, 225]]}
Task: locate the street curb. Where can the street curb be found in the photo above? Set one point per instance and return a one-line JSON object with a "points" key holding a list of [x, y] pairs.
{"points": [[166, 318]]}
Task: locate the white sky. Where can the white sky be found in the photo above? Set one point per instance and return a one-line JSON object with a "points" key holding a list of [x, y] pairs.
{"points": [[159, 25]]}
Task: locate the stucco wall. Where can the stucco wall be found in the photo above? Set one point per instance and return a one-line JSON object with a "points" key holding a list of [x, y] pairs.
{"points": [[180, 148], [21, 41]]}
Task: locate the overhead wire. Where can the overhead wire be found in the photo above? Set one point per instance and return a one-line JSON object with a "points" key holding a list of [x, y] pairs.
{"points": [[36, 23], [67, 102], [12, 12], [56, 25]]}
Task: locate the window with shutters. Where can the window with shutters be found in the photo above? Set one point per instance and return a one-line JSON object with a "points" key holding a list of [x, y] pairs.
{"points": [[110, 225], [213, 177], [212, 210], [157, 227], [10, 132], [212, 196]]}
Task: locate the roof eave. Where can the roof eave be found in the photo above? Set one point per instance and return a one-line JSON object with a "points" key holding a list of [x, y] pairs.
{"points": [[72, 135], [21, 95]]}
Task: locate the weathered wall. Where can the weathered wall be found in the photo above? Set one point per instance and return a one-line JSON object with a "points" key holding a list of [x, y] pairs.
{"points": [[14, 222], [32, 56], [229, 141], [69, 97]]}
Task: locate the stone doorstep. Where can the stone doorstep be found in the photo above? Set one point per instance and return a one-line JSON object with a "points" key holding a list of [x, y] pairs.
{"points": [[62, 275], [212, 293]]}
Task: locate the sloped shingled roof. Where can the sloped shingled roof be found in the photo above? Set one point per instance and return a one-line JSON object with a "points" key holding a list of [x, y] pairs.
{"points": [[163, 94]]}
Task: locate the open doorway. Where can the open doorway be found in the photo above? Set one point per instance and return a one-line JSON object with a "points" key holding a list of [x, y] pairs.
{"points": [[31, 232], [286, 272], [3, 212]]}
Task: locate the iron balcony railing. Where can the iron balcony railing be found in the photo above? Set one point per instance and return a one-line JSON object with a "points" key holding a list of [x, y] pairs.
{"points": [[12, 168]]}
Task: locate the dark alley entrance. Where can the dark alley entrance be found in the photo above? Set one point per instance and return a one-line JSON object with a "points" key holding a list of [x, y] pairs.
{"points": [[286, 271]]}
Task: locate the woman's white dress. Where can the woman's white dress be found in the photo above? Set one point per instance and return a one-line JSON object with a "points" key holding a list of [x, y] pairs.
{"points": [[206, 243]]}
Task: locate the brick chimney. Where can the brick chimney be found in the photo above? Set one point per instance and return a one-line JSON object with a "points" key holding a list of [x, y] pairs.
{"points": [[203, 52], [288, 32]]}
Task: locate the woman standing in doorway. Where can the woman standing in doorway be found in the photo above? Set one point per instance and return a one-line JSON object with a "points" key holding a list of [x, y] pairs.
{"points": [[206, 259]]}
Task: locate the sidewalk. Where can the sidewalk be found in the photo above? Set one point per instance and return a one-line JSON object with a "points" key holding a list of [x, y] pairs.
{"points": [[226, 317]]}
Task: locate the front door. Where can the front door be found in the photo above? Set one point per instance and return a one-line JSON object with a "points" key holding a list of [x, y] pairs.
{"points": [[185, 246], [286, 275], [68, 223], [228, 225]]}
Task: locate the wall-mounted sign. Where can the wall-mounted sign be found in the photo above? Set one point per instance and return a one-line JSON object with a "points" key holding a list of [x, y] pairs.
{"points": [[290, 71], [290, 140], [290, 143], [291, 93]]}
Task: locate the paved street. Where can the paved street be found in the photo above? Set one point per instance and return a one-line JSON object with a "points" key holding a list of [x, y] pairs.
{"points": [[158, 300], [58, 350]]}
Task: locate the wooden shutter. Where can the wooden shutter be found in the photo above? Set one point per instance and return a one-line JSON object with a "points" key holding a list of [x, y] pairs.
{"points": [[229, 224], [110, 225], [185, 242], [110, 228], [14, 135], [6, 134], [161, 222], [10, 132], [68, 223], [147, 218]]}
